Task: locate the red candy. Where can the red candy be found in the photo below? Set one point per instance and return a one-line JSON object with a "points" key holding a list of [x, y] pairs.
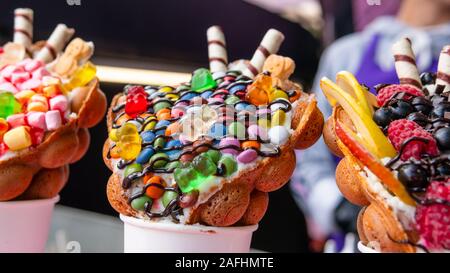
{"points": [[3, 148], [136, 101]]}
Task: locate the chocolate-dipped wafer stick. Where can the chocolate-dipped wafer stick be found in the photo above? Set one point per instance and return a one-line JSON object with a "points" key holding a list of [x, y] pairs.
{"points": [[60, 36], [23, 27], [443, 73], [270, 44], [217, 51], [405, 63]]}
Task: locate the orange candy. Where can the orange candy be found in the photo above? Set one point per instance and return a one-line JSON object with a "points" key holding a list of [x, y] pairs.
{"points": [[114, 152], [251, 144], [51, 91], [258, 92], [163, 114], [155, 191], [173, 129], [296, 96], [122, 119]]}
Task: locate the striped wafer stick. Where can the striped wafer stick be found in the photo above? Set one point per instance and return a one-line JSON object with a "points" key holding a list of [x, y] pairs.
{"points": [[217, 51], [23, 27], [443, 73], [270, 44], [405, 63], [60, 36]]}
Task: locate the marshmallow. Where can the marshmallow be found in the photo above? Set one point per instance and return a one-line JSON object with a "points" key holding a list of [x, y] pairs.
{"points": [[37, 120], [16, 120], [24, 62], [60, 103], [31, 84], [53, 120], [7, 86], [24, 96], [20, 77], [9, 70], [40, 73], [18, 138], [38, 103], [33, 65]]}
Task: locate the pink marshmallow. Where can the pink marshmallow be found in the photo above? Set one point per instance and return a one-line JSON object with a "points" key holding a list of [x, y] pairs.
{"points": [[9, 70], [20, 77], [40, 73], [7, 86], [30, 84], [2, 80], [53, 120], [37, 120], [34, 65], [59, 102], [16, 120], [24, 63]]}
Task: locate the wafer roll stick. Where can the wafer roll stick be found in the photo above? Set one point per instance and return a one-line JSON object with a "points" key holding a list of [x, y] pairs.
{"points": [[23, 27], [60, 36], [443, 73], [217, 51], [405, 63], [270, 44]]}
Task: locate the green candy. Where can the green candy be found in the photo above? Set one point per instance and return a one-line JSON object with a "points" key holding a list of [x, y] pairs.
{"points": [[158, 160], [228, 165], [237, 129], [139, 203], [173, 165], [161, 105], [8, 105], [132, 168], [214, 155], [202, 80], [204, 165], [187, 178], [168, 197], [232, 100], [159, 143]]}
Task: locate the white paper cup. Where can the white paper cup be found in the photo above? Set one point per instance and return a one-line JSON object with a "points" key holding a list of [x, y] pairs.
{"points": [[155, 237], [25, 225], [365, 249]]}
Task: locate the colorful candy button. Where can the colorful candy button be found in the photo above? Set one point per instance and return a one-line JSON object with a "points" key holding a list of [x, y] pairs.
{"points": [[229, 145], [139, 203], [237, 129], [159, 160], [278, 117], [145, 155], [132, 168], [156, 188], [247, 156], [168, 197]]}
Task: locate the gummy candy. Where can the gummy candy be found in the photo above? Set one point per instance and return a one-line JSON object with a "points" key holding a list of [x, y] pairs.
{"points": [[259, 91], [8, 105], [187, 178], [202, 80], [214, 155], [204, 165], [129, 144], [81, 77], [136, 101]]}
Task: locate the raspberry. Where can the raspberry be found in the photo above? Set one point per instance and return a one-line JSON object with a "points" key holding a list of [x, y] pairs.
{"points": [[433, 219], [386, 93], [401, 130]]}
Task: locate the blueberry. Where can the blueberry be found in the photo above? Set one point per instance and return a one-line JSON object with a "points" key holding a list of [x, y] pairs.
{"points": [[440, 109], [427, 78], [413, 176], [442, 137], [401, 109], [422, 105], [443, 169], [418, 118], [383, 117]]}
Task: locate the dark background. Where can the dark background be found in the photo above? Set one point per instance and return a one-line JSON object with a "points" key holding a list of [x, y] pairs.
{"points": [[161, 33]]}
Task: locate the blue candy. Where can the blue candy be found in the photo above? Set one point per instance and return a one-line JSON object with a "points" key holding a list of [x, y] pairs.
{"points": [[237, 88], [145, 155], [189, 95], [218, 130], [162, 123], [241, 106], [206, 94], [175, 154], [173, 143], [147, 136]]}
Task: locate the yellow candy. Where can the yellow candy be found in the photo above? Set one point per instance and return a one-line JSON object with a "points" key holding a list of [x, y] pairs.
{"points": [[82, 76], [165, 89], [278, 94], [113, 135], [172, 97], [51, 91], [24, 96], [129, 141], [18, 138], [48, 81], [264, 123], [150, 123], [278, 117]]}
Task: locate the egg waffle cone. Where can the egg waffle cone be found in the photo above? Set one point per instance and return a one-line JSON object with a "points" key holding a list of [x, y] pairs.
{"points": [[377, 223], [42, 171], [242, 200]]}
